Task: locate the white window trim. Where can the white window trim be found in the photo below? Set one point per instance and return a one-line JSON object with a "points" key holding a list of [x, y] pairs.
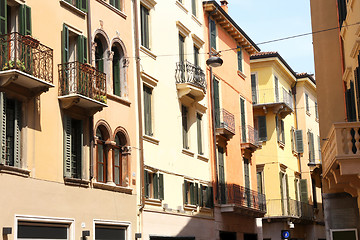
{"points": [[124, 224], [148, 3], [33, 218], [341, 230]]}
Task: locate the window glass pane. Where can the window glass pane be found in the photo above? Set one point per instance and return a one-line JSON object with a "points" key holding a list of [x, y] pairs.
{"points": [[42, 232], [113, 233], [117, 175], [98, 134], [117, 157]]}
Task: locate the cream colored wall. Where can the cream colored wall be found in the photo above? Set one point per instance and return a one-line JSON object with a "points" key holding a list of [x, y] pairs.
{"points": [[166, 155]]}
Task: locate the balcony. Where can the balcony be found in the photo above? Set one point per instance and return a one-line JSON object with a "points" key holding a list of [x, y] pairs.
{"points": [[243, 201], [82, 86], [250, 138], [225, 124], [288, 209], [190, 81], [269, 99], [26, 65], [341, 158]]}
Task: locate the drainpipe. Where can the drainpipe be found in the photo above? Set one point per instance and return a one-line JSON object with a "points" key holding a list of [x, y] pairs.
{"points": [[296, 124], [138, 80], [91, 119]]}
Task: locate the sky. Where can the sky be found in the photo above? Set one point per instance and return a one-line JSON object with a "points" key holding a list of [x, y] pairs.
{"points": [[264, 20]]}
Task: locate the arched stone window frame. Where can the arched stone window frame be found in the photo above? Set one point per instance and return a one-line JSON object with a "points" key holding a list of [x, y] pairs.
{"points": [[105, 144], [124, 64], [107, 54], [125, 159]]}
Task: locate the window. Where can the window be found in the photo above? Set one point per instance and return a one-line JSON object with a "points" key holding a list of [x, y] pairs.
{"points": [[276, 89], [284, 189], [10, 131], [311, 147], [12, 14], [80, 4], [73, 145], [41, 230], [206, 196], [303, 191], [216, 102], [144, 17], [181, 48], [116, 3], [99, 54], [296, 186], [314, 195], [74, 46], [239, 58], [103, 231], [120, 163], [243, 119], [296, 141], [221, 167], [254, 88], [196, 56], [119, 70], [280, 129], [194, 9], [199, 133], [212, 34], [261, 126], [101, 157], [342, 11], [147, 91], [307, 103], [260, 182], [350, 103], [154, 185], [316, 111], [191, 193], [185, 129]]}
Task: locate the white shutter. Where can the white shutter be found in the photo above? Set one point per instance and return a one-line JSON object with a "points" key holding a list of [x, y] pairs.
{"points": [[17, 134], [3, 127]]}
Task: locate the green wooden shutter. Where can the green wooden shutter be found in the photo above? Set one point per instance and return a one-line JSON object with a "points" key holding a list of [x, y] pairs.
{"points": [[185, 192], [316, 110], [146, 183], [25, 20], [276, 89], [67, 146], [239, 58], [196, 193], [201, 196], [199, 134], [311, 147], [212, 34], [3, 127], [3, 17], [243, 120], [184, 112], [80, 49], [303, 191], [144, 17], [282, 131], [82, 5], [216, 103], [277, 127], [307, 102], [155, 186], [246, 173], [262, 128], [181, 49], [147, 110], [17, 134], [116, 71], [211, 197], [299, 141], [193, 4], [161, 186], [254, 88], [112, 3], [65, 42], [192, 193]]}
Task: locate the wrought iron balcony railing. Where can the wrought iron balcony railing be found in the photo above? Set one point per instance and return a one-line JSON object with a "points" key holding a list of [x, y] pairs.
{"points": [[244, 197], [250, 135], [289, 208], [26, 54], [225, 119], [187, 72], [83, 79], [266, 96]]}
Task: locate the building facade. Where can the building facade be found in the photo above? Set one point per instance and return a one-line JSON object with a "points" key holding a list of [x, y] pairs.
{"points": [[68, 165], [337, 76]]}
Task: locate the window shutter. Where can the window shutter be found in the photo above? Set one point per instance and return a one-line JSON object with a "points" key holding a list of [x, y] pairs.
{"points": [[196, 191], [282, 131], [262, 128], [67, 146], [80, 49], [276, 89], [319, 147], [209, 197], [144, 15], [316, 110], [65, 42], [185, 126], [296, 189], [185, 192], [181, 50], [17, 134], [216, 103], [357, 82], [147, 110], [243, 120], [200, 196], [287, 193], [352, 102], [311, 147], [155, 186], [146, 183], [254, 88], [82, 5], [3, 127], [212, 34], [282, 191], [259, 182], [199, 135], [277, 128], [193, 3], [307, 102], [116, 72], [303, 191], [161, 186], [239, 58], [192, 193], [299, 141], [3, 17], [25, 20], [112, 2]]}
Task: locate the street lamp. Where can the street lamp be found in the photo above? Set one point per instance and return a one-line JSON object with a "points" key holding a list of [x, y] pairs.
{"points": [[214, 61]]}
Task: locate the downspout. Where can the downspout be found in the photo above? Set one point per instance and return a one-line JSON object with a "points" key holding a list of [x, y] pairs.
{"points": [[138, 80], [213, 114], [91, 119], [296, 124]]}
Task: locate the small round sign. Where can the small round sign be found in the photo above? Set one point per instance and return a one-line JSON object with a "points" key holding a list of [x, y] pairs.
{"points": [[285, 234]]}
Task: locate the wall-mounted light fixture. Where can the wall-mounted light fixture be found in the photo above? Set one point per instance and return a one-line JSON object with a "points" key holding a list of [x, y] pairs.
{"points": [[86, 233], [7, 230]]}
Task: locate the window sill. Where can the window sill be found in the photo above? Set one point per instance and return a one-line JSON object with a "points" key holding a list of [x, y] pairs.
{"points": [[188, 152], [148, 52], [189, 207], [113, 188], [153, 202], [14, 171], [281, 144], [112, 8], [73, 8], [196, 20], [308, 113], [181, 6], [205, 209], [242, 75], [151, 139], [202, 157], [76, 182], [119, 99]]}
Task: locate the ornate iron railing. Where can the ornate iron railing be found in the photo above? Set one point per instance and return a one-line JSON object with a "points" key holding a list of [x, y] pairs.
{"points": [[245, 197], [250, 135], [226, 120], [264, 96], [84, 79], [289, 208], [187, 72], [26, 54]]}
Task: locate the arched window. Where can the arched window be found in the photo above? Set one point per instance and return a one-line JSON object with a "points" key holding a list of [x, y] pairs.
{"points": [[117, 161], [119, 70], [120, 167], [99, 54], [101, 158]]}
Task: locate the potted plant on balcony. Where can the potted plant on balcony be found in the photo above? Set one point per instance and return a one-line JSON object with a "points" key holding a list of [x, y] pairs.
{"points": [[20, 65], [100, 98]]}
